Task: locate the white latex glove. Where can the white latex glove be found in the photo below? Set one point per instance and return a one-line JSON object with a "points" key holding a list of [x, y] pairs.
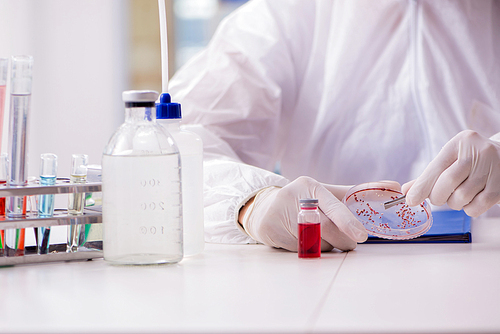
{"points": [[272, 217], [465, 174]]}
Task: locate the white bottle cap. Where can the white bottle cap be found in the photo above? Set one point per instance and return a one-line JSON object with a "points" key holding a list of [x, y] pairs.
{"points": [[139, 96]]}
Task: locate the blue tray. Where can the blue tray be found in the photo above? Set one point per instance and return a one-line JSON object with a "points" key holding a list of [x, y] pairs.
{"points": [[448, 226]]}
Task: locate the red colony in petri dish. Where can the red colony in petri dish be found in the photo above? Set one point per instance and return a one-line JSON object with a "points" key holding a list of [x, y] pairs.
{"points": [[401, 222]]}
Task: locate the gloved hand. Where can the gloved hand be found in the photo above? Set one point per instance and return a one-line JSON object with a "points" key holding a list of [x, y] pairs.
{"points": [[465, 174], [272, 217]]}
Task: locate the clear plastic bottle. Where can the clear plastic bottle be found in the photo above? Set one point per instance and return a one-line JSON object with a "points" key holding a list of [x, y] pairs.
{"points": [[309, 229], [191, 150], [141, 188]]}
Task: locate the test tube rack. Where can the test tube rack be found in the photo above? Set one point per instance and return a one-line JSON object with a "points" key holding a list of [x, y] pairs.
{"points": [[90, 215]]}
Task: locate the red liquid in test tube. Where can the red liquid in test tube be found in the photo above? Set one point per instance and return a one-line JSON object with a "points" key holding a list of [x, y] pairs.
{"points": [[2, 217], [2, 202]]}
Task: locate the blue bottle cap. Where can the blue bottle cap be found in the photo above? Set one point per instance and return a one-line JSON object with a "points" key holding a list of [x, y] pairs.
{"points": [[166, 109]]}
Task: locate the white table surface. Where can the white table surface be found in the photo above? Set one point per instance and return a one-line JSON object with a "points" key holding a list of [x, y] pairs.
{"points": [[377, 288]]}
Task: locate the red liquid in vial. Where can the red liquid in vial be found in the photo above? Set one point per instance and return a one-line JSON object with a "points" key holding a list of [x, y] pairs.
{"points": [[309, 240], [2, 217]]}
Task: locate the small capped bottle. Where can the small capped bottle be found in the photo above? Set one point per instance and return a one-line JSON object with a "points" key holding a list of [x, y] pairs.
{"points": [[141, 188], [309, 229]]}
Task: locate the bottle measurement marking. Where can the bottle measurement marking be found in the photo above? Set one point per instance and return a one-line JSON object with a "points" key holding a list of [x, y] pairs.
{"points": [[153, 206], [151, 183], [152, 230]]}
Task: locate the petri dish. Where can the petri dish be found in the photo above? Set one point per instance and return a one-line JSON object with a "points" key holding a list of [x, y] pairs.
{"points": [[401, 222]]}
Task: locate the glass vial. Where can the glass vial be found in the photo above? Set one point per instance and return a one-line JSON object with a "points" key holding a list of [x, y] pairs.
{"points": [[48, 175], [309, 229], [190, 146], [141, 188], [76, 201]]}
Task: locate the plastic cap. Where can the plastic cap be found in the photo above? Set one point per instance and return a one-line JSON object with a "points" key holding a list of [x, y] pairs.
{"points": [[166, 109], [308, 201], [139, 96]]}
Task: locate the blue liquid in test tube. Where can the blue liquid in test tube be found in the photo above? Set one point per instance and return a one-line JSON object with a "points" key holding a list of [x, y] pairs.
{"points": [[46, 202], [48, 175]]}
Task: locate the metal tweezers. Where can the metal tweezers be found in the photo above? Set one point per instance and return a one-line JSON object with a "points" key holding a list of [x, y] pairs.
{"points": [[391, 203]]}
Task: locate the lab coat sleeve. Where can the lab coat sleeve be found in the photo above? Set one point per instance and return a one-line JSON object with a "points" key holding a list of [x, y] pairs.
{"points": [[235, 95], [227, 185]]}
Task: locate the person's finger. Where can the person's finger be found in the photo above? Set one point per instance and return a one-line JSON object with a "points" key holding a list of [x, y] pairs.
{"points": [[449, 180], [423, 185], [340, 215], [405, 187], [325, 245], [464, 194], [484, 198], [337, 191], [476, 177], [331, 233], [483, 201]]}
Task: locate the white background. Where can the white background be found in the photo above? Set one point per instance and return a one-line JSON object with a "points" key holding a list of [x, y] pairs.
{"points": [[80, 69]]}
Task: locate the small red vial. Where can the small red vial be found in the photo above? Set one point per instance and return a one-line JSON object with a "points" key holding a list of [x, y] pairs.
{"points": [[309, 230]]}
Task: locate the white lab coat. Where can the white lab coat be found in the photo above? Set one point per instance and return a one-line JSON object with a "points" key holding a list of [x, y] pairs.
{"points": [[343, 91]]}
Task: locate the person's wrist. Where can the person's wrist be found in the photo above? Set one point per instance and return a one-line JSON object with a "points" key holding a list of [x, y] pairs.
{"points": [[244, 209]]}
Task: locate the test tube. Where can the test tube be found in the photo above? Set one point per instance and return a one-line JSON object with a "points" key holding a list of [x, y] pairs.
{"points": [[48, 175], [20, 104], [3, 181], [76, 202], [4, 68]]}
